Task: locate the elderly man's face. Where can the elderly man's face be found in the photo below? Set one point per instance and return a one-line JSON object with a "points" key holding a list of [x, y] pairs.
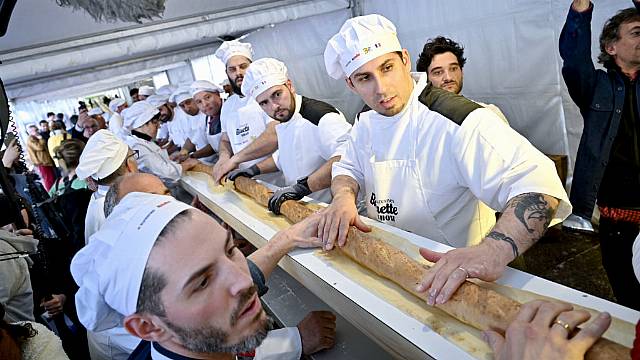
{"points": [[90, 126], [208, 102], [210, 302], [278, 102], [189, 106], [626, 49], [384, 83]]}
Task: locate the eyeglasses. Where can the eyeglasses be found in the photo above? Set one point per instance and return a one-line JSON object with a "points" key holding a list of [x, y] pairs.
{"points": [[135, 154]]}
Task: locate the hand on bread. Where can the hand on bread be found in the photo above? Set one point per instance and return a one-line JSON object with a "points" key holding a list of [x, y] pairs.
{"points": [[543, 329], [484, 261]]}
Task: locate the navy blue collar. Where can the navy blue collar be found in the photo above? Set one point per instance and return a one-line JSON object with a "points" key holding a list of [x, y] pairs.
{"points": [[168, 353]]}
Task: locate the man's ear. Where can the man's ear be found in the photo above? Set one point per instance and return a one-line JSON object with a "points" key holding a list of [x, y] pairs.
{"points": [[406, 59], [289, 85], [146, 327], [350, 84], [611, 48]]}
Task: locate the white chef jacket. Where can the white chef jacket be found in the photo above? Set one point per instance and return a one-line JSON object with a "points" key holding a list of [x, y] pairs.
{"points": [[154, 160], [461, 166], [111, 344], [116, 126], [495, 109], [315, 133], [175, 127], [95, 212], [280, 344], [163, 131], [243, 121]]}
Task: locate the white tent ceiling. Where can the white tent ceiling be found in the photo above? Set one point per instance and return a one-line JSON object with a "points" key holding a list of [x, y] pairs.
{"points": [[48, 48]]}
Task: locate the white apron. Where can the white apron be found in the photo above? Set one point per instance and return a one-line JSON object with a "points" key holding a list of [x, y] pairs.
{"points": [[394, 194], [298, 154]]}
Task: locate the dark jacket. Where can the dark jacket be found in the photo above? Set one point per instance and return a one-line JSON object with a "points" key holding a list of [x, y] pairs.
{"points": [[600, 96]]}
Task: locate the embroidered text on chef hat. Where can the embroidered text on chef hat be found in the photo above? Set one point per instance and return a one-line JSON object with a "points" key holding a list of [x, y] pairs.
{"points": [[359, 40], [204, 85], [138, 114], [103, 154], [109, 269], [233, 48], [115, 104], [263, 74]]}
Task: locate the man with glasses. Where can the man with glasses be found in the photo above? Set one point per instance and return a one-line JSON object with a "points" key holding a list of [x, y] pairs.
{"points": [[143, 119], [103, 160]]}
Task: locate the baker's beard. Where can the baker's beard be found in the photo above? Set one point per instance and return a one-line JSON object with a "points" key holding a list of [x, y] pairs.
{"points": [[236, 89], [212, 340]]}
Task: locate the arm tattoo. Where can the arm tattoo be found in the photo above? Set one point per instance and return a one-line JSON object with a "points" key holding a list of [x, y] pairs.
{"points": [[531, 206], [500, 236]]}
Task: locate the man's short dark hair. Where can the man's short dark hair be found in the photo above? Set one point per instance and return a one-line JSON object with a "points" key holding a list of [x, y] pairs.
{"points": [[153, 282], [122, 170], [50, 114], [439, 45], [133, 91], [59, 116], [43, 122], [611, 33]]}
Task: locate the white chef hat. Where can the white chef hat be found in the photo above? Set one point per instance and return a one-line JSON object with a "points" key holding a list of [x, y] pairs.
{"points": [[115, 103], [166, 90], [95, 111], [359, 40], [138, 114], [109, 269], [157, 100], [204, 85], [263, 74], [181, 94], [103, 154], [233, 48], [146, 90]]}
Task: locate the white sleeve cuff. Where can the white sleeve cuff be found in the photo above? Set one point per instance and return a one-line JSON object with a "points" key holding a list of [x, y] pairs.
{"points": [[280, 344]]}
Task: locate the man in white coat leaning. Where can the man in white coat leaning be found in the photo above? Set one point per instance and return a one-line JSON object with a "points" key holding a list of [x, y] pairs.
{"points": [[144, 120], [310, 135], [103, 160], [426, 158], [241, 119]]}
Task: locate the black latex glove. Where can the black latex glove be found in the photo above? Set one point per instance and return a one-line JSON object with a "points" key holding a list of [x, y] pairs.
{"points": [[248, 172], [294, 192]]}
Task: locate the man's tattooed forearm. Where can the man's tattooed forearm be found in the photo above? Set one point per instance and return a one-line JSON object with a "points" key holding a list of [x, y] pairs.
{"points": [[531, 206], [502, 237]]}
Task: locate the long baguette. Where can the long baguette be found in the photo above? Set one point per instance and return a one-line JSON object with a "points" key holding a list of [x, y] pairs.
{"points": [[472, 304], [200, 167]]}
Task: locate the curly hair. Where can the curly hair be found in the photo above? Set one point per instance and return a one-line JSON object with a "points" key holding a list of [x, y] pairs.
{"points": [[439, 45], [18, 332], [611, 33]]}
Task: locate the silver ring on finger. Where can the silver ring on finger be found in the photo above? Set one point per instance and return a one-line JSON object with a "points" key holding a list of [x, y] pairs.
{"points": [[466, 273]]}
